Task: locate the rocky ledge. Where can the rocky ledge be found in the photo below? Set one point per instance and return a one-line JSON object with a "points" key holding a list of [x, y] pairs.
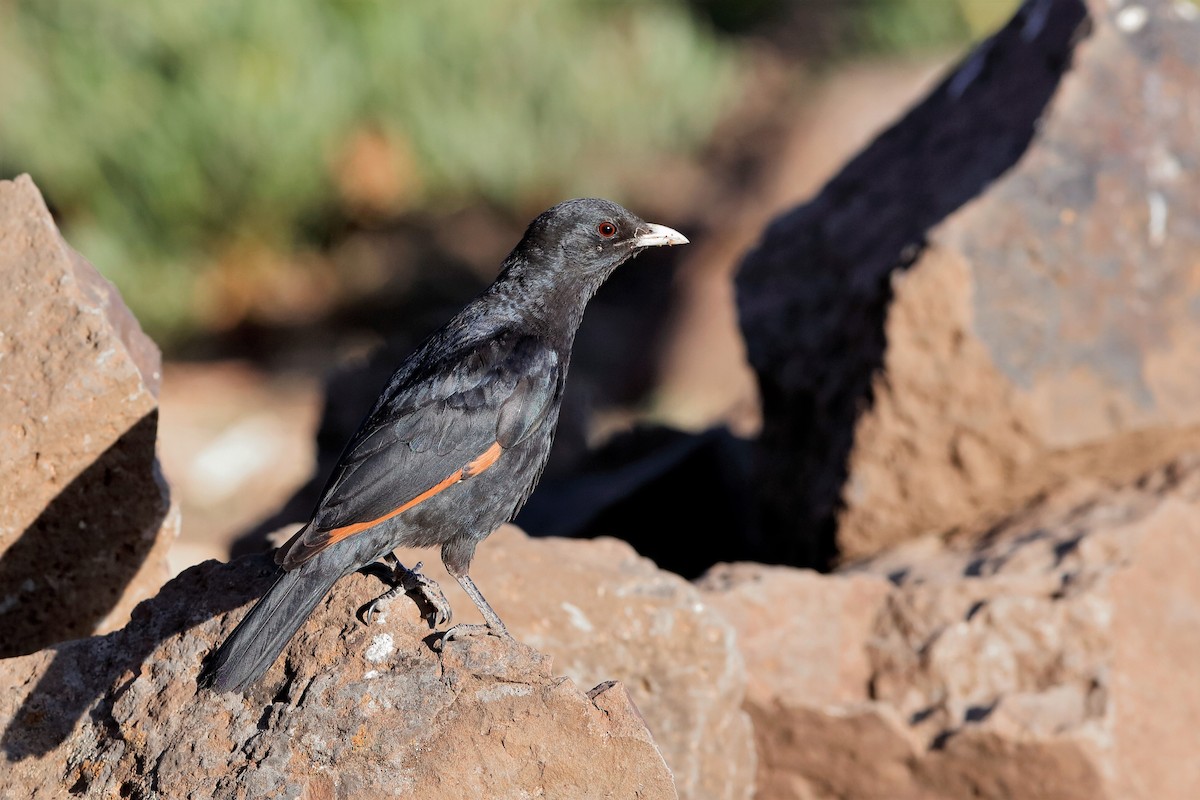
{"points": [[349, 710]]}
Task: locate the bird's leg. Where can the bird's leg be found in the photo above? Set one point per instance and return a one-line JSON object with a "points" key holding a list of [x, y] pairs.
{"points": [[456, 555], [494, 624], [491, 617], [421, 588]]}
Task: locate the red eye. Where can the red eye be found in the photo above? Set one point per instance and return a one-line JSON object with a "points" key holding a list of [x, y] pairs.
{"points": [[606, 229]]}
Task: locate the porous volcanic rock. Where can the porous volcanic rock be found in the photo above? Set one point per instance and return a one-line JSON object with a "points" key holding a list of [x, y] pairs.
{"points": [[1052, 657], [78, 419], [349, 710], [603, 612]]}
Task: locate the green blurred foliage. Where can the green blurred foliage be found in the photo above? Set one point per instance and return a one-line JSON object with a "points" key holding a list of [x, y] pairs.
{"points": [[166, 132], [913, 25], [827, 31], [910, 26]]}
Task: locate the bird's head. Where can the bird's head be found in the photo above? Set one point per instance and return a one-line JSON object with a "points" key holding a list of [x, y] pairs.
{"points": [[568, 252], [589, 238]]}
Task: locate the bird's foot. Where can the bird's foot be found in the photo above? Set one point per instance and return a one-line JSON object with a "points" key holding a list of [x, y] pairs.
{"points": [[420, 587], [464, 630]]}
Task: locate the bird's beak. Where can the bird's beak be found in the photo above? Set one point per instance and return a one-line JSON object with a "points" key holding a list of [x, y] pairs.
{"points": [[650, 235]]}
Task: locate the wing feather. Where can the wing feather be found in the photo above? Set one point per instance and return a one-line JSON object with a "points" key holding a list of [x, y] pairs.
{"points": [[430, 430]]}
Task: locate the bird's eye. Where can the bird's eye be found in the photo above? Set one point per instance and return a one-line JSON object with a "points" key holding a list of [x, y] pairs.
{"points": [[606, 229]]}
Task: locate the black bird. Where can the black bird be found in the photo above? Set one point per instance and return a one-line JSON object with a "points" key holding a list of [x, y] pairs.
{"points": [[458, 438]]}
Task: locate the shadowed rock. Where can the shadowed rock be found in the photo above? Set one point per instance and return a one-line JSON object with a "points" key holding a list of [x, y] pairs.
{"points": [[78, 421], [1000, 292]]}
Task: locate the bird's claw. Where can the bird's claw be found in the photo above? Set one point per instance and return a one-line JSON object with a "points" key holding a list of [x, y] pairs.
{"points": [[421, 588], [380, 602]]}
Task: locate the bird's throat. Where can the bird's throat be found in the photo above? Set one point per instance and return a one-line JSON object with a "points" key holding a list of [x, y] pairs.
{"points": [[551, 300]]}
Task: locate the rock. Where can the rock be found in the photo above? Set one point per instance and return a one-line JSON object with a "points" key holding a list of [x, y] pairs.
{"points": [[803, 636], [998, 294], [603, 612], [348, 711], [78, 415], [703, 376], [827, 620], [1053, 657]]}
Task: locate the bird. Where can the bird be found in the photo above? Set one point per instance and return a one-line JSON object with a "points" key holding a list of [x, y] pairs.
{"points": [[457, 440]]}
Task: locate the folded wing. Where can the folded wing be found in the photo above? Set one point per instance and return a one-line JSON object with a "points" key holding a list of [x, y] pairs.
{"points": [[439, 429]]}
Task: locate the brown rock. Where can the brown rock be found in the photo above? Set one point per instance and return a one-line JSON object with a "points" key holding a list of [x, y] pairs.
{"points": [[827, 621], [348, 711], [803, 637], [1052, 658], [78, 413], [603, 612], [998, 294]]}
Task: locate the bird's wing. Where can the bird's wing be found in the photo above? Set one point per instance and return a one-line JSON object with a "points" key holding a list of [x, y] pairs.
{"points": [[429, 434]]}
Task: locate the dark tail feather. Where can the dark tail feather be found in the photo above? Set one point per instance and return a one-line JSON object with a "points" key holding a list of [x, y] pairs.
{"points": [[259, 638]]}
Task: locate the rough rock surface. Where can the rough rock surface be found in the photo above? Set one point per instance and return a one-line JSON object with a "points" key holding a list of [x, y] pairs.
{"points": [[999, 293], [348, 711], [602, 612], [1054, 657], [78, 417]]}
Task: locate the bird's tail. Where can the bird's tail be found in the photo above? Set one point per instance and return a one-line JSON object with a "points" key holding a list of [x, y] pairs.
{"points": [[261, 636]]}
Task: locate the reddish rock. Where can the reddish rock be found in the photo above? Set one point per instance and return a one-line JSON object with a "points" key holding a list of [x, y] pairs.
{"points": [[1053, 657], [602, 612], [78, 416], [347, 711], [803, 636], [1050, 329], [998, 294]]}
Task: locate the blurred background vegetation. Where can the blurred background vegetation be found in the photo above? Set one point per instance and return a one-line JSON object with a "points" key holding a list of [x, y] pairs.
{"points": [[199, 150]]}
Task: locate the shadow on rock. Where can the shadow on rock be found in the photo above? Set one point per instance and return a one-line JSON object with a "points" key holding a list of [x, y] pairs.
{"points": [[81, 673], [681, 499], [814, 296], [87, 542], [813, 299]]}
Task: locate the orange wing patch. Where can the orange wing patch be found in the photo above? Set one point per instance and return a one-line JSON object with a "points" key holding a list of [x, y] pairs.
{"points": [[473, 468], [484, 461]]}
